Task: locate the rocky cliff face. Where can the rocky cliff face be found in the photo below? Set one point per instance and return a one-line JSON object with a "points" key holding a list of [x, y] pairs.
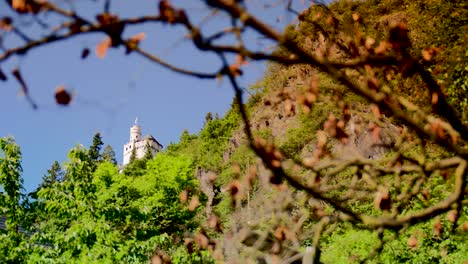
{"points": [[301, 112], [367, 140], [279, 111], [206, 178]]}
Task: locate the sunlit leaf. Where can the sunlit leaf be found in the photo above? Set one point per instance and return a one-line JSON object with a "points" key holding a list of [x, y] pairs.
{"points": [[437, 228], [194, 203], [134, 41], [102, 47], [184, 196], [413, 241], [202, 240], [452, 216], [27, 6]]}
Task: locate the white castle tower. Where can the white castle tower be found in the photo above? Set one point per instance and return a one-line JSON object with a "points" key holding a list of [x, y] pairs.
{"points": [[139, 144]]}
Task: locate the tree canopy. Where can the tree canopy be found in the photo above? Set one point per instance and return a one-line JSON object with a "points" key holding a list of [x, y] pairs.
{"points": [[352, 148]]}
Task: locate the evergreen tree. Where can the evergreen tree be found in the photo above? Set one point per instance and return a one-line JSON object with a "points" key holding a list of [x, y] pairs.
{"points": [[95, 148], [132, 156], [135, 167], [208, 117], [54, 174], [148, 152], [108, 155]]}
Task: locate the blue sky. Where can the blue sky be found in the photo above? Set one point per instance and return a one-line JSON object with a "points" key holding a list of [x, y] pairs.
{"points": [[109, 93]]}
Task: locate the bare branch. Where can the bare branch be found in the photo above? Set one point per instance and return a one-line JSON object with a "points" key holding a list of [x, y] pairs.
{"points": [[174, 68]]}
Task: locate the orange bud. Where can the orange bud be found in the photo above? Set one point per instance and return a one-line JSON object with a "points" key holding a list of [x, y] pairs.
{"points": [[6, 23], [62, 97], [213, 222], [452, 216], [193, 203], [184, 196], [413, 241], [102, 47], [437, 228], [356, 17], [201, 240], [465, 226]]}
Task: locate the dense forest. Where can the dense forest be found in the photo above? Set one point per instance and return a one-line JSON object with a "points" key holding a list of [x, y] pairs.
{"points": [[322, 172]]}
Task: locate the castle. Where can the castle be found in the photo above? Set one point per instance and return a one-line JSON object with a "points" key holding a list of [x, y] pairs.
{"points": [[139, 144]]}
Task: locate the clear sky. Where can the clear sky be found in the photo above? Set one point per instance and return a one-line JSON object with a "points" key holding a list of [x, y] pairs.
{"points": [[109, 93]]}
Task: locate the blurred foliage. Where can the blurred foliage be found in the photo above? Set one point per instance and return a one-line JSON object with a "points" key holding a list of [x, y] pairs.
{"points": [[90, 211], [100, 216], [431, 24]]}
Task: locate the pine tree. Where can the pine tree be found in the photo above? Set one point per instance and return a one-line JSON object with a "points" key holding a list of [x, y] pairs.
{"points": [[135, 167], [132, 156], [95, 148], [208, 117], [148, 152], [108, 155], [54, 174]]}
